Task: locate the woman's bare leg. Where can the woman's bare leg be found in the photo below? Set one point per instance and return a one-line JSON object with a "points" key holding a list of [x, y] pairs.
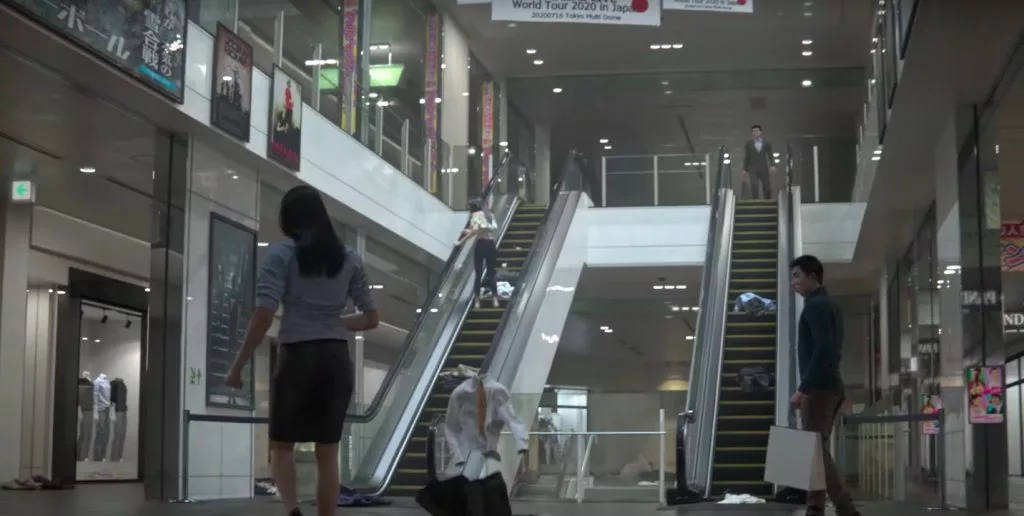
{"points": [[282, 464], [328, 480]]}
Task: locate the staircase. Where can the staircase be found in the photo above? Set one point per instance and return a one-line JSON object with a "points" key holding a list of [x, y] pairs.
{"points": [[470, 348], [744, 417]]}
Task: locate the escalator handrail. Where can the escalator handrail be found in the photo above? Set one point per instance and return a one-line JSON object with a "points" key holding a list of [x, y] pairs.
{"points": [[392, 374], [722, 180], [572, 165], [791, 247]]}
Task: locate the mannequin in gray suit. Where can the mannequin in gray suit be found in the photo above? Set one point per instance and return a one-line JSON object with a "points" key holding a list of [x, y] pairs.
{"points": [[758, 164]]}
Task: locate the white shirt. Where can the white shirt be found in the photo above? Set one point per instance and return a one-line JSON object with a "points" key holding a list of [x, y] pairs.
{"points": [[462, 432], [758, 143], [101, 393]]}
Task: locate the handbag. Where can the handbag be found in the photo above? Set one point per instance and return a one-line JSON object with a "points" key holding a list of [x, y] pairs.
{"points": [[795, 459]]}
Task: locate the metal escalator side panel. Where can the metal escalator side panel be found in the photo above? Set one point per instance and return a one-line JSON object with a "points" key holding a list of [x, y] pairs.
{"points": [[394, 431], [718, 320]]}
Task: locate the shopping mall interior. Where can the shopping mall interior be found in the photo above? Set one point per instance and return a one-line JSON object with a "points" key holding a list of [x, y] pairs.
{"points": [[146, 148]]}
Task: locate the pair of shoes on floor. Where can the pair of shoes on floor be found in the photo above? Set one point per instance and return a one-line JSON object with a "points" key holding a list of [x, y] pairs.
{"points": [[31, 484]]}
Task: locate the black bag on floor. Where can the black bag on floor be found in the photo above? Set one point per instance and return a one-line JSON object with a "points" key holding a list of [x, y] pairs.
{"points": [[458, 496]]}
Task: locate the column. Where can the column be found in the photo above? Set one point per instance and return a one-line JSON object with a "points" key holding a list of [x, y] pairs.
{"points": [[161, 415], [14, 279], [967, 213], [455, 96], [542, 167]]}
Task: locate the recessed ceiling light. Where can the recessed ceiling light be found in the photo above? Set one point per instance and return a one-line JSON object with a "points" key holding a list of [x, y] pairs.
{"points": [[876, 158], [373, 95], [538, 62], [877, 151], [677, 46], [512, 25], [87, 170], [668, 92], [556, 90], [423, 101], [502, 144], [664, 83], [531, 51], [604, 140], [807, 53], [465, 94], [808, 13], [666, 46], [807, 42], [807, 83], [689, 337], [263, 244], [655, 46], [607, 147]]}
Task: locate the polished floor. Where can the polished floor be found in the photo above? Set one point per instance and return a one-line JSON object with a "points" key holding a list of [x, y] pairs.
{"points": [[126, 500]]}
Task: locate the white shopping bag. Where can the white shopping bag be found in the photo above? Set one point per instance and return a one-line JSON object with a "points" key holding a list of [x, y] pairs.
{"points": [[794, 459]]}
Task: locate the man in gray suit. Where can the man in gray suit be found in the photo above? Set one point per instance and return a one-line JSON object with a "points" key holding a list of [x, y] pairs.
{"points": [[758, 164]]}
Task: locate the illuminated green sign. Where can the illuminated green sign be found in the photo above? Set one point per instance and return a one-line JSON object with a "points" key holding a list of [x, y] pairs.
{"points": [[381, 76]]}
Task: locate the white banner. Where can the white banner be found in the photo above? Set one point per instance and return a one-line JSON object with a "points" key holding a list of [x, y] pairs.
{"points": [[725, 6], [611, 12]]}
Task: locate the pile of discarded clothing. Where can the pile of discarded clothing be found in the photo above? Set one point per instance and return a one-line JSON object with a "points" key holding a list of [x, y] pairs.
{"points": [[36, 482], [753, 304]]}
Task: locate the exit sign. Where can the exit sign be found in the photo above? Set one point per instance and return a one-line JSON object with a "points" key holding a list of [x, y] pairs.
{"points": [[23, 191]]}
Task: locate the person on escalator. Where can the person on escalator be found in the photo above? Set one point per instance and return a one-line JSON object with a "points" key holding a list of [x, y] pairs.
{"points": [[312, 274], [485, 251]]}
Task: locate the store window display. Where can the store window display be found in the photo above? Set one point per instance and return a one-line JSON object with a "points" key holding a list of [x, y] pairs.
{"points": [[108, 393]]}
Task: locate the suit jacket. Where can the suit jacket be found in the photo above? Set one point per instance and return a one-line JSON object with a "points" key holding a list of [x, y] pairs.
{"points": [[757, 161]]}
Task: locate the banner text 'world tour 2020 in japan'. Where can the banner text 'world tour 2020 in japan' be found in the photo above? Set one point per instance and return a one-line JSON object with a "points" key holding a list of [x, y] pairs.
{"points": [[615, 12]]}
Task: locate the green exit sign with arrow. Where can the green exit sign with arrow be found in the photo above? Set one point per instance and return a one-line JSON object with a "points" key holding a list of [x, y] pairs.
{"points": [[23, 191]]}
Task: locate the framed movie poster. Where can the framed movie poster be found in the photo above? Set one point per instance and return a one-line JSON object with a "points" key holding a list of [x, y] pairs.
{"points": [[985, 393], [231, 101], [285, 143], [145, 38], [232, 297]]}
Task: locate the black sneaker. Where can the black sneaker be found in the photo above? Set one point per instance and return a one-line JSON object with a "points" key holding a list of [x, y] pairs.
{"points": [[295, 512]]}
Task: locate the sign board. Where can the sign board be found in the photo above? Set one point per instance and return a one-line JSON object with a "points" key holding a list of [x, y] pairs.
{"points": [[985, 394], [23, 191], [145, 38], [607, 12], [724, 6], [285, 142]]}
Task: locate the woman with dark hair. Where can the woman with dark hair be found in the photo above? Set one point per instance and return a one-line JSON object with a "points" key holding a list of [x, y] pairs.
{"points": [[312, 274], [485, 251]]}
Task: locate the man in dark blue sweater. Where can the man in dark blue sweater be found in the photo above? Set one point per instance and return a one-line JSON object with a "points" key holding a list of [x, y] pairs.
{"points": [[821, 391]]}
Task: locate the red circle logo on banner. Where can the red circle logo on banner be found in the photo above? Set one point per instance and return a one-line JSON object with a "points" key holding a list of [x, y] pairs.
{"points": [[640, 6], [741, 2]]}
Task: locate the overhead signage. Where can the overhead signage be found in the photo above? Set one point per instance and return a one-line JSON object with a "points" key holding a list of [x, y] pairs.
{"points": [[723, 6], [386, 75], [145, 38], [608, 12], [23, 192], [232, 84], [285, 143]]}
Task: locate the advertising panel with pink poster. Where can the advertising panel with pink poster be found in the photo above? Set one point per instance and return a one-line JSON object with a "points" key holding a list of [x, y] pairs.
{"points": [[985, 394]]}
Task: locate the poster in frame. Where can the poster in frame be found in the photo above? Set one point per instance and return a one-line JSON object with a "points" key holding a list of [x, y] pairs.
{"points": [[231, 97], [232, 298], [285, 142], [985, 393]]}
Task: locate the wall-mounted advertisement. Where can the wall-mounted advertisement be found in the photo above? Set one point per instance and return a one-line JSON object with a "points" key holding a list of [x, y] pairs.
{"points": [[232, 296], [985, 392], [232, 84], [606, 12], [349, 60], [721, 6], [1011, 242], [431, 90], [145, 38], [285, 143], [930, 404], [487, 131]]}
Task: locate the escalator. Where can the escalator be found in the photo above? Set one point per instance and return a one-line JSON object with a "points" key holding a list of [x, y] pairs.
{"points": [[472, 343], [746, 411]]}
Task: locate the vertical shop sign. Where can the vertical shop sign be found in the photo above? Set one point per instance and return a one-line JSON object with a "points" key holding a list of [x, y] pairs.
{"points": [[1011, 243], [232, 296], [145, 38], [931, 404], [349, 64], [232, 84], [432, 63], [487, 130], [285, 142]]}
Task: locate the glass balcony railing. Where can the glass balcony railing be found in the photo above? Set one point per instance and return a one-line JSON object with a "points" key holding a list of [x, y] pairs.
{"points": [[655, 180]]}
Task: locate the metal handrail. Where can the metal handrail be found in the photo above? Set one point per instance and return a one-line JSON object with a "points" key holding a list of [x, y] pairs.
{"points": [[723, 179], [389, 379]]}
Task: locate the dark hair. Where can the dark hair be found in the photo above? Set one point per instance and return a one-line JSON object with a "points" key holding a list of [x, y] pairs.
{"points": [[476, 205], [755, 126], [304, 219], [809, 265]]}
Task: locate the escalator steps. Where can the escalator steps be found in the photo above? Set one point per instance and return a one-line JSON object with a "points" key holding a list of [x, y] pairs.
{"points": [[746, 408], [470, 348]]}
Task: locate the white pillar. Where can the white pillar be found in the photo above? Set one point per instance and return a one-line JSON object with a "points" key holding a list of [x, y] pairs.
{"points": [[13, 316], [542, 167]]}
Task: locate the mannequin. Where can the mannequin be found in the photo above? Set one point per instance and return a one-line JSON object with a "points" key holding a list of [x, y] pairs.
{"points": [[101, 407], [85, 421], [119, 400]]}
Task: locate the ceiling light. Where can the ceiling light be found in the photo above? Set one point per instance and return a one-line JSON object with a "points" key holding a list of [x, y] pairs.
{"points": [[607, 147], [657, 287], [668, 92], [664, 83], [876, 158], [677, 46], [512, 25], [443, 66], [807, 83], [556, 90], [502, 144], [433, 310], [808, 13], [61, 292], [666, 46], [373, 95], [689, 337], [87, 170], [807, 53], [604, 328], [726, 155], [726, 161], [419, 310], [85, 338], [696, 309], [604, 140], [376, 287], [676, 308], [807, 42], [681, 287], [97, 340], [538, 62], [775, 154], [437, 100], [147, 289], [465, 94], [423, 101], [655, 47], [877, 151], [872, 51], [531, 51], [874, 40]]}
